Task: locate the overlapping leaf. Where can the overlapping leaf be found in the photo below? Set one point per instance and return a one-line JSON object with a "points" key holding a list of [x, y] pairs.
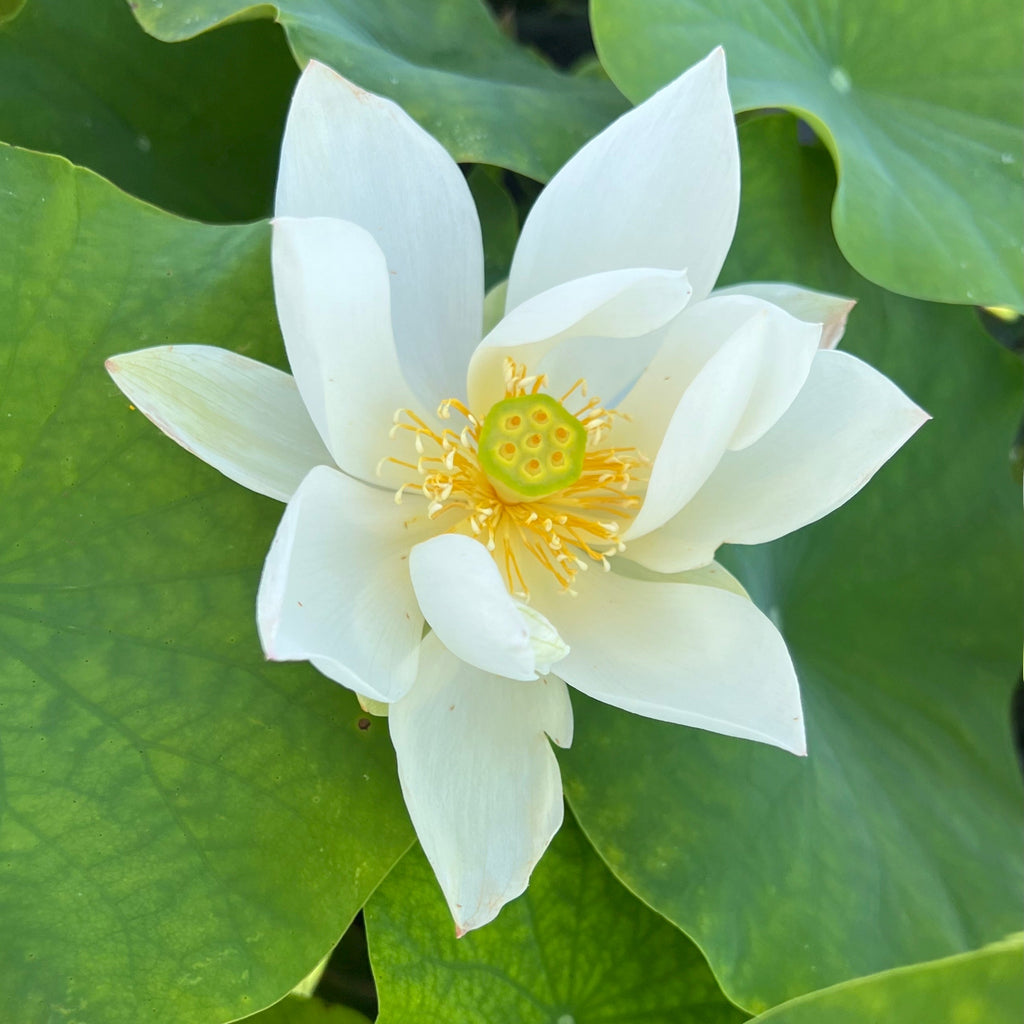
{"points": [[185, 829], [897, 839], [576, 948], [445, 61], [922, 105], [193, 128], [982, 986]]}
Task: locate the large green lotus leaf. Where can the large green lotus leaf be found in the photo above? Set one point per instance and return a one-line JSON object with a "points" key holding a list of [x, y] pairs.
{"points": [[576, 948], [983, 987], [921, 104], [186, 830], [897, 839], [446, 62], [193, 128]]}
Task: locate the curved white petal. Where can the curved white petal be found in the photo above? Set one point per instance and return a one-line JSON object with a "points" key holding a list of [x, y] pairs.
{"points": [[831, 311], [479, 777], [693, 338], [576, 317], [678, 652], [659, 187], [847, 421], [242, 417], [751, 358], [358, 157], [548, 647], [712, 574], [335, 588], [464, 599], [333, 301]]}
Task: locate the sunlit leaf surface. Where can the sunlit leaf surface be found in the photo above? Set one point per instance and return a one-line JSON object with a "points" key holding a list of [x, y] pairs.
{"points": [[186, 830]]}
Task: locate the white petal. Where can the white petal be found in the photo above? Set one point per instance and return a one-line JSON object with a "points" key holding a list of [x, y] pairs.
{"points": [[575, 317], [693, 338], [333, 301], [335, 588], [242, 417], [658, 188], [548, 647], [479, 777], [847, 421], [813, 307], [678, 652], [751, 359], [464, 599], [710, 575], [358, 157]]}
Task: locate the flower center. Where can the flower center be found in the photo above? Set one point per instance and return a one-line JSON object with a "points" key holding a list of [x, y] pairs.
{"points": [[530, 480], [531, 447]]}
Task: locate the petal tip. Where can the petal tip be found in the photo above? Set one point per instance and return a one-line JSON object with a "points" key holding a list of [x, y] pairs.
{"points": [[715, 62], [797, 744], [267, 633], [913, 419], [833, 329], [712, 69], [318, 67]]}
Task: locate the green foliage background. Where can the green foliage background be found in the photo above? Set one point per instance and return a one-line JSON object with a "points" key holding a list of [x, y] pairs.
{"points": [[186, 831]]}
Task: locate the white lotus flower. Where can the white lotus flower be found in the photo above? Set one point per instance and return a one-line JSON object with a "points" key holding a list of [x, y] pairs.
{"points": [[490, 505]]}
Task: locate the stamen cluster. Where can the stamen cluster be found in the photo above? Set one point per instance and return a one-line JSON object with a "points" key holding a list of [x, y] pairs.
{"points": [[563, 532]]}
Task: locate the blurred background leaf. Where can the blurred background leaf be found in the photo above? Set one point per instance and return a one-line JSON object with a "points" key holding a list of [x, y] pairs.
{"points": [[194, 128], [487, 99]]}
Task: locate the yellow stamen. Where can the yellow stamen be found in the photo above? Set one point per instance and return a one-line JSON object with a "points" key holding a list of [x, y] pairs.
{"points": [[561, 530]]}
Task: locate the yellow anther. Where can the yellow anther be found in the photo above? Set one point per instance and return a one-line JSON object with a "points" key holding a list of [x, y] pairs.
{"points": [[527, 479]]}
